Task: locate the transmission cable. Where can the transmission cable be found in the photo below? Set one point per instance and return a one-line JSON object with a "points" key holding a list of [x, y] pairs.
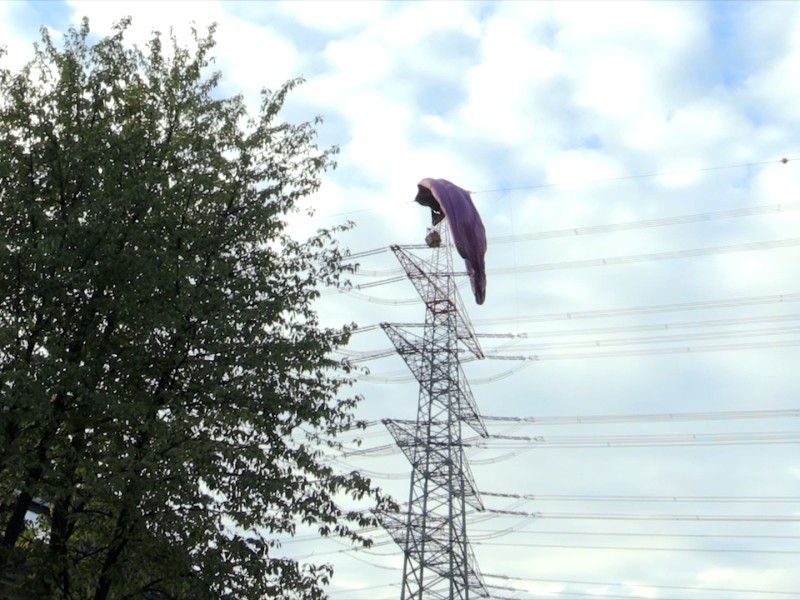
{"points": [[677, 220], [594, 229], [647, 309], [648, 351], [784, 161], [639, 548], [646, 517], [651, 256], [487, 534], [617, 584], [496, 353], [659, 339], [627, 498], [645, 327], [649, 418], [642, 441], [609, 261], [629, 177]]}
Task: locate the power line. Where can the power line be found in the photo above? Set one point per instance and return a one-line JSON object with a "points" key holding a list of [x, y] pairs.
{"points": [[651, 256], [366, 253], [363, 589], [549, 594], [649, 351], [395, 377], [612, 260], [658, 339], [660, 587], [639, 548], [628, 498], [647, 309], [646, 517], [584, 182], [647, 223], [496, 353], [646, 327], [492, 534], [367, 355], [501, 441], [629, 177], [675, 325], [353, 551], [642, 441], [372, 299], [596, 229], [725, 415], [387, 542]]}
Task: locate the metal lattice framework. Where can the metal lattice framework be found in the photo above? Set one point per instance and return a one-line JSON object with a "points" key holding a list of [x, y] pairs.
{"points": [[438, 563]]}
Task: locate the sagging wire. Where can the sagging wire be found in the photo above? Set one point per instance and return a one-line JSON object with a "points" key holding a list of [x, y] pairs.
{"points": [[649, 418]]}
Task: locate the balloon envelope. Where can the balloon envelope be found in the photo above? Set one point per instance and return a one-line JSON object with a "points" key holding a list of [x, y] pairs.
{"points": [[447, 200]]}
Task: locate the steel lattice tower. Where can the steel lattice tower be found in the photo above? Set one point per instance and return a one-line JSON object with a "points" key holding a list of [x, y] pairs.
{"points": [[438, 560]]}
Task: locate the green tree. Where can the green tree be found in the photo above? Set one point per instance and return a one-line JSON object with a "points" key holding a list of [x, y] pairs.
{"points": [[166, 388]]}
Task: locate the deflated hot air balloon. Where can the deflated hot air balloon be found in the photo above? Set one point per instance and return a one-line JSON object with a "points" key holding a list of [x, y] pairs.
{"points": [[447, 200]]}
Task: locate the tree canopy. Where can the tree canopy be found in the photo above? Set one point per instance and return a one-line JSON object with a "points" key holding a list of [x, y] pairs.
{"points": [[166, 387]]}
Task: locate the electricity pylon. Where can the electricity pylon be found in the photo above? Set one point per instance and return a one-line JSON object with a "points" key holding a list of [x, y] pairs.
{"points": [[438, 561]]}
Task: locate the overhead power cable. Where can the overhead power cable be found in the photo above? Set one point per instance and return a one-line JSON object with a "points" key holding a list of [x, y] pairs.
{"points": [[396, 279], [595, 229], [487, 534], [651, 256], [646, 327], [784, 161], [363, 355], [638, 548], [658, 339], [402, 376], [501, 441], [498, 353], [724, 415], [646, 517], [315, 553], [638, 499], [629, 177], [371, 299], [649, 351], [647, 309], [641, 584], [361, 590], [366, 253], [648, 223], [640, 441], [549, 594], [612, 260]]}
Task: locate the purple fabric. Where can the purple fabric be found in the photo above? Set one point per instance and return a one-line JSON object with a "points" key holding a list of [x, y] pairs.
{"points": [[469, 235]]}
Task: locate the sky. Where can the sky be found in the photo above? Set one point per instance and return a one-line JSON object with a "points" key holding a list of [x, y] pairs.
{"points": [[626, 159]]}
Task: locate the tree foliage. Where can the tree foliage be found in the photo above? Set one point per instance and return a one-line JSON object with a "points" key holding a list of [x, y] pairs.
{"points": [[166, 388]]}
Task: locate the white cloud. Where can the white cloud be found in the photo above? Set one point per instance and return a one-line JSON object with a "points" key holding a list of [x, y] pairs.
{"points": [[170, 15], [250, 56], [773, 36], [334, 17], [19, 48]]}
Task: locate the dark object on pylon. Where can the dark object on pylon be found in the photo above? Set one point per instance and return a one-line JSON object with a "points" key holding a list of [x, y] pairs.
{"points": [[433, 239]]}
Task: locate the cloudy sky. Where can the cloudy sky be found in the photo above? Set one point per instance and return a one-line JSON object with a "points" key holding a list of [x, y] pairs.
{"points": [[643, 243]]}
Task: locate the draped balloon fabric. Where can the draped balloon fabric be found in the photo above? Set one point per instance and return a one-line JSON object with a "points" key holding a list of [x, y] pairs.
{"points": [[447, 200]]}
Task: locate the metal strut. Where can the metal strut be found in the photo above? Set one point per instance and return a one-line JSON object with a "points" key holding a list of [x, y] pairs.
{"points": [[438, 561]]}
